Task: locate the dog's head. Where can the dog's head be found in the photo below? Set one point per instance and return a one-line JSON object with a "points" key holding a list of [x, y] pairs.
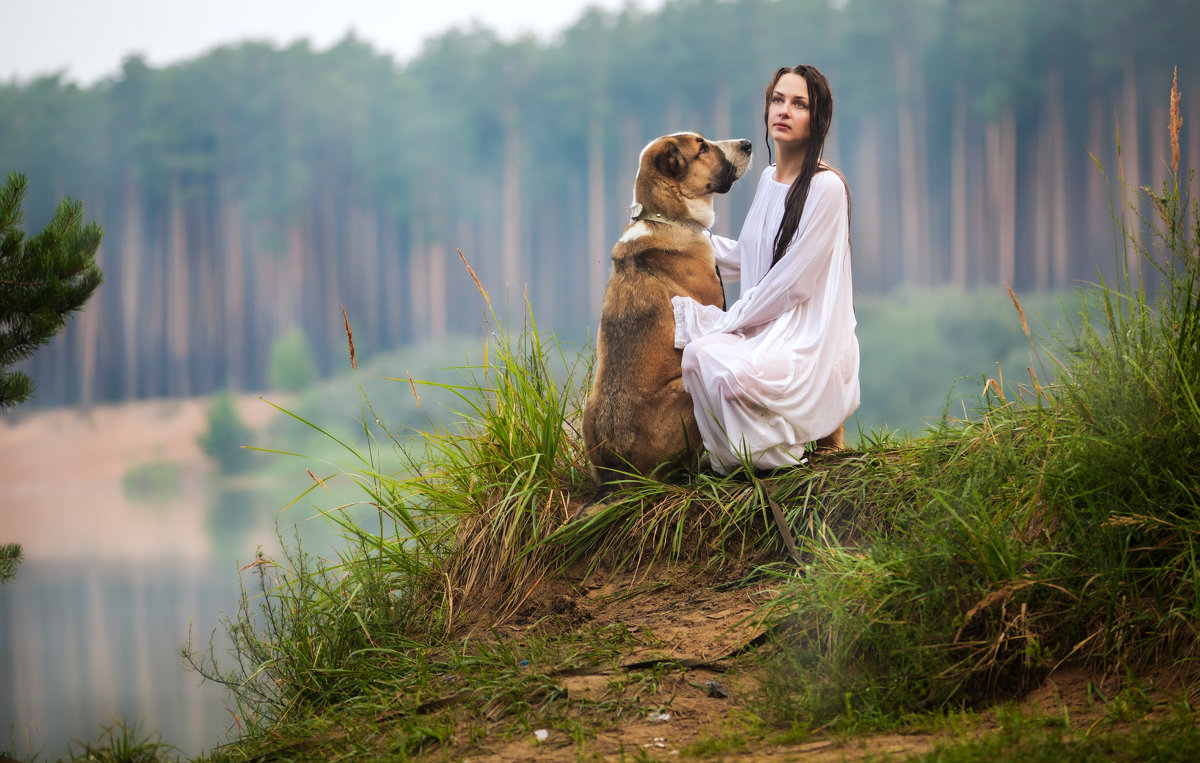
{"points": [[679, 173]]}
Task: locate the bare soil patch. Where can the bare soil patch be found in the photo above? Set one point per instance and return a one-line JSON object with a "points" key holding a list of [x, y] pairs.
{"points": [[698, 623], [701, 623]]}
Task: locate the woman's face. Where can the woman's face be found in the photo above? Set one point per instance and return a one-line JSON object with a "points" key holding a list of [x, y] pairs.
{"points": [[788, 111]]}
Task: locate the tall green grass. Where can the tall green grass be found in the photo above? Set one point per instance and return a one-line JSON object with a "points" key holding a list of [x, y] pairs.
{"points": [[444, 537]]}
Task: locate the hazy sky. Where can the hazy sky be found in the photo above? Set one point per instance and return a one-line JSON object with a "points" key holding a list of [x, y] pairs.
{"points": [[87, 39]]}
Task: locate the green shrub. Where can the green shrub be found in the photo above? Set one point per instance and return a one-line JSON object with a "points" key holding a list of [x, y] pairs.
{"points": [[292, 367], [914, 343], [226, 436], [155, 482]]}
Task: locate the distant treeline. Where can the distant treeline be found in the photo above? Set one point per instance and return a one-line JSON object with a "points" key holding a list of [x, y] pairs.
{"points": [[254, 189]]}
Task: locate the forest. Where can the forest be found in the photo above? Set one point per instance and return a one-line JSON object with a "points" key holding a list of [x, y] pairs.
{"points": [[256, 190]]}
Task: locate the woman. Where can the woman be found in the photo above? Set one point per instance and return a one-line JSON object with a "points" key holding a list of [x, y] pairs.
{"points": [[779, 369]]}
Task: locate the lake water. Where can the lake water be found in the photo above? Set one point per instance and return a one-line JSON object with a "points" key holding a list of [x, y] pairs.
{"points": [[114, 577], [85, 645]]}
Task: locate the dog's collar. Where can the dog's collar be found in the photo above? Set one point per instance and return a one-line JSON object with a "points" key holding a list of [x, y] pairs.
{"points": [[638, 213]]}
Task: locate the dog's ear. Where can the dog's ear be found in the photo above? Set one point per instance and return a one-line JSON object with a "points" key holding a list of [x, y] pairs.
{"points": [[671, 161]]}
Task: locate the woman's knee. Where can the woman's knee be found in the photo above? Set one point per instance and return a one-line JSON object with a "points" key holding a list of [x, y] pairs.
{"points": [[696, 358], [701, 353], [709, 360]]}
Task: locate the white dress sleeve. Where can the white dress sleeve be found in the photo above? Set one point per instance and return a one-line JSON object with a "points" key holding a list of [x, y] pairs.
{"points": [[823, 230], [728, 255]]}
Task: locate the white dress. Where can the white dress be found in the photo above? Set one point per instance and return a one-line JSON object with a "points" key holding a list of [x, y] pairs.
{"points": [[779, 369]]}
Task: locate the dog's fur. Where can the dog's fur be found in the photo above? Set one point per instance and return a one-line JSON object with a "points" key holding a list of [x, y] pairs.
{"points": [[638, 417]]}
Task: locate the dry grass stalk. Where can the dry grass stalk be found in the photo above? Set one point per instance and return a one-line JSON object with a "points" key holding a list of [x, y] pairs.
{"points": [[1176, 123], [492, 573], [1002, 596], [350, 339], [413, 384], [317, 480], [995, 387], [475, 278], [1167, 211], [1020, 312]]}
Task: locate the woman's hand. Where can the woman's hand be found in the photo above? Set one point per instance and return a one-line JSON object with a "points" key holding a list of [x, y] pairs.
{"points": [[693, 320]]}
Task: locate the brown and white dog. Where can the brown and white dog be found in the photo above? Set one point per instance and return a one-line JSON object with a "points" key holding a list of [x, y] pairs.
{"points": [[638, 416]]}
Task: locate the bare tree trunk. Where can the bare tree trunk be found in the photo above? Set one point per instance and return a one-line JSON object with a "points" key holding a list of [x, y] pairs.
{"points": [[1098, 191], [958, 189], [921, 154], [132, 311], [546, 280], [981, 246], [418, 286], [395, 281], [627, 169], [178, 334], [461, 290], [1060, 253], [154, 355], [268, 269], [1160, 145], [327, 260], [438, 306], [598, 248], [914, 228], [867, 212], [364, 248], [234, 308], [511, 215], [292, 282], [1002, 170], [1042, 196], [1130, 169], [206, 350]]}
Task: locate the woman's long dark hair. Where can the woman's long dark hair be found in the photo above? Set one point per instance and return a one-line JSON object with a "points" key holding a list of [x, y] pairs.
{"points": [[820, 116]]}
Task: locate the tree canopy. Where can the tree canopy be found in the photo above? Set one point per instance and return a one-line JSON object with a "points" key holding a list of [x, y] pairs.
{"points": [[256, 189]]}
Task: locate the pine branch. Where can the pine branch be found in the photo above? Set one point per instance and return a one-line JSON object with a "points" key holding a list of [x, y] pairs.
{"points": [[10, 557], [43, 279]]}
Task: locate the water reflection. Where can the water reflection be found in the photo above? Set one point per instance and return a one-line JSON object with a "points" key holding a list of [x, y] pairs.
{"points": [[85, 645], [91, 638]]}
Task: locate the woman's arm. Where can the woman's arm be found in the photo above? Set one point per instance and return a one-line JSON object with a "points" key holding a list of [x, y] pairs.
{"points": [[823, 230]]}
